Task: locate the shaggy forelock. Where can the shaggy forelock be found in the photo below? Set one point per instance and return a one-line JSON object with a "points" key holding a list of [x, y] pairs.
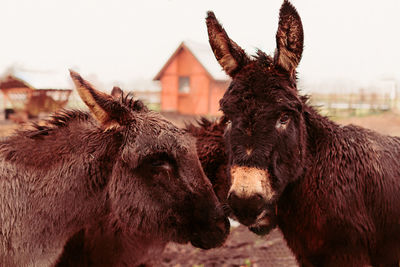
{"points": [[56, 121], [259, 88], [128, 100], [263, 59]]}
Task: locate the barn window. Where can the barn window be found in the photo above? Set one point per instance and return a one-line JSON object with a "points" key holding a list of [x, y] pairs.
{"points": [[184, 84]]}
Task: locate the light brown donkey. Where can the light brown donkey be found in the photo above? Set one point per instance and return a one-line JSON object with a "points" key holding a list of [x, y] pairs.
{"points": [[119, 164]]}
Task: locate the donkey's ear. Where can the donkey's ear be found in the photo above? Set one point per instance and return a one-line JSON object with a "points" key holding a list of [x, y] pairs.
{"points": [[289, 38], [104, 108], [230, 56], [116, 92]]}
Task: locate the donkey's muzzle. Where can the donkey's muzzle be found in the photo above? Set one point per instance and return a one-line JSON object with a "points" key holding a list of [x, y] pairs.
{"points": [[214, 238], [248, 208]]}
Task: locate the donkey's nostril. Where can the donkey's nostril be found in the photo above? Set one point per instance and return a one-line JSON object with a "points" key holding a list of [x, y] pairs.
{"points": [[258, 197], [247, 208]]}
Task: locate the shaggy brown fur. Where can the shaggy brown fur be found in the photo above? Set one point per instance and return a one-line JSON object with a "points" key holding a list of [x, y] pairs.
{"points": [[333, 190], [98, 244], [210, 144], [123, 167]]}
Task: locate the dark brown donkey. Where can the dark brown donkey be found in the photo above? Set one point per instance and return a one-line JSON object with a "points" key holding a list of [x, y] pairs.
{"points": [[100, 245], [210, 144], [333, 190], [121, 165]]}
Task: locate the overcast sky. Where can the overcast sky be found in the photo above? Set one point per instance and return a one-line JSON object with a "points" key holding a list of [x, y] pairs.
{"points": [[121, 41]]}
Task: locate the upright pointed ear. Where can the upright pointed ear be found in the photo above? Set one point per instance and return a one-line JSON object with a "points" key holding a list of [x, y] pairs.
{"points": [[105, 109], [230, 56], [116, 92], [289, 38]]}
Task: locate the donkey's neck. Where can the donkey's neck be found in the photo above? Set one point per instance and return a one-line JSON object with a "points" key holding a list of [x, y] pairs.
{"points": [[321, 134], [58, 152], [60, 175], [321, 131]]}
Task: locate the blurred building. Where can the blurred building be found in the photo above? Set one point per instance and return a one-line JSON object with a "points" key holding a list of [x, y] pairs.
{"points": [[13, 88], [26, 101], [192, 82], [10, 82]]}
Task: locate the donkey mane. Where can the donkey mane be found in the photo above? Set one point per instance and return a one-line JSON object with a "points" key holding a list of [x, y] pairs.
{"points": [[55, 137], [133, 104], [59, 120]]}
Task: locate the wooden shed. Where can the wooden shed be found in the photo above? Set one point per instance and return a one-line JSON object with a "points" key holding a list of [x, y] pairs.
{"points": [[192, 82], [26, 101]]}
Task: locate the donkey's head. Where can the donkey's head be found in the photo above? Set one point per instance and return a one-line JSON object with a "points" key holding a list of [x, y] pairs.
{"points": [[157, 186], [266, 136]]}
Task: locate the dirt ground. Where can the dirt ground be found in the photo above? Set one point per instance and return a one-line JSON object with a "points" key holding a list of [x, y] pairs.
{"points": [[386, 123], [242, 247]]}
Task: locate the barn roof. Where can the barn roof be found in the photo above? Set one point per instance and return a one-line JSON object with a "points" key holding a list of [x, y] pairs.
{"points": [[36, 79], [203, 54], [11, 81]]}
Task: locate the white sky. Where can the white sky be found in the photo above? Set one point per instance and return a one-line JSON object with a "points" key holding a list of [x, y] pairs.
{"points": [[121, 41]]}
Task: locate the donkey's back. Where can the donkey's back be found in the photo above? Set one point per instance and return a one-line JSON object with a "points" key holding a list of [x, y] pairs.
{"points": [[374, 160], [45, 190]]}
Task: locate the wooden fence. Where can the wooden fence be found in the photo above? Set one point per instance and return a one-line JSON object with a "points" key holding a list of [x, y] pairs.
{"points": [[352, 104]]}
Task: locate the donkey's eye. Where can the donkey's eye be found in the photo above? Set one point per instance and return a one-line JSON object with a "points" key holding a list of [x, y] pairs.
{"points": [[159, 163], [284, 118], [282, 121]]}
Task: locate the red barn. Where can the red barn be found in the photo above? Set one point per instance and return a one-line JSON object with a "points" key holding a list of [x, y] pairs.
{"points": [[192, 82]]}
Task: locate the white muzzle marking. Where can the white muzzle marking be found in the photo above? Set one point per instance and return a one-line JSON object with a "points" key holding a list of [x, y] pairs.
{"points": [[249, 181]]}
